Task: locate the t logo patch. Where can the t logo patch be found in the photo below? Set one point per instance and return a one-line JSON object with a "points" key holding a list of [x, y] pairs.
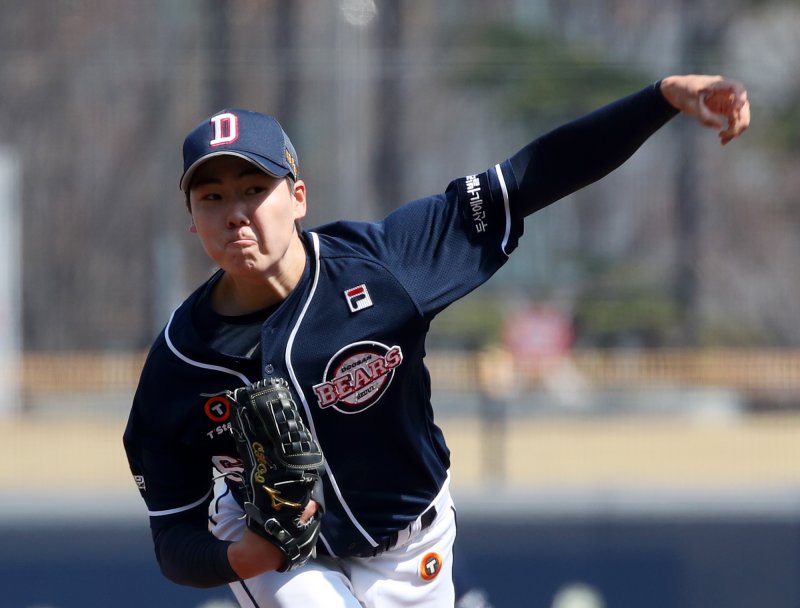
{"points": [[358, 298], [226, 129], [430, 566]]}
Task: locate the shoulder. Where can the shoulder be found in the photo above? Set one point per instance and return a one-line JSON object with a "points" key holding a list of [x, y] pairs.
{"points": [[355, 236], [344, 233], [345, 238], [180, 327], [178, 334]]}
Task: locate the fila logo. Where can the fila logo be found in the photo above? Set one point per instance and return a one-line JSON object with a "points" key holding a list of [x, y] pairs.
{"points": [[226, 129], [358, 298]]}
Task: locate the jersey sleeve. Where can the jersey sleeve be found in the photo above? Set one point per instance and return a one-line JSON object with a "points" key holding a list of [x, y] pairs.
{"points": [[442, 247], [176, 486], [587, 148], [168, 473]]}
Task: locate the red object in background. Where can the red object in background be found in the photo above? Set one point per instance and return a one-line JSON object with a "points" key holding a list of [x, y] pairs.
{"points": [[538, 332]]}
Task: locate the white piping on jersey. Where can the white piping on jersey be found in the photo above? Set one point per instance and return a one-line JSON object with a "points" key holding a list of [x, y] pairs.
{"points": [[217, 368], [503, 187], [181, 509], [185, 359], [298, 388]]}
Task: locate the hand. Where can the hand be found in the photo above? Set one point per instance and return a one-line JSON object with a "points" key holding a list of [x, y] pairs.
{"points": [[252, 555], [710, 99]]}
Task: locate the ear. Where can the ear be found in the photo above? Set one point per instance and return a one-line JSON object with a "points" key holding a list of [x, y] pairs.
{"points": [[299, 195], [192, 227]]}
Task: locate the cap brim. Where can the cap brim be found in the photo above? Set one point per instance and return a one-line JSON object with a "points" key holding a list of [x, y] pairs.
{"points": [[262, 163]]}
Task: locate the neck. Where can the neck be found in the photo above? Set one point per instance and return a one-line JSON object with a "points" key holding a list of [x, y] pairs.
{"points": [[235, 295]]}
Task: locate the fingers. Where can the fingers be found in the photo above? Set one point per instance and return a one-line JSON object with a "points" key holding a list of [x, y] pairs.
{"points": [[725, 98], [309, 511], [739, 120]]}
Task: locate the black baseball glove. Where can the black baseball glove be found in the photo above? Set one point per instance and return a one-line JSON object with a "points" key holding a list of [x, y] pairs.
{"points": [[282, 468]]}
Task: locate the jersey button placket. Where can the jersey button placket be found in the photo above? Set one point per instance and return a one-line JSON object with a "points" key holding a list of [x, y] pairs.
{"points": [[269, 335]]}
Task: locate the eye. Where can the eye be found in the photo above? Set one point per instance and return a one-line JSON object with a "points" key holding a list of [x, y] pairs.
{"points": [[200, 195], [253, 190]]}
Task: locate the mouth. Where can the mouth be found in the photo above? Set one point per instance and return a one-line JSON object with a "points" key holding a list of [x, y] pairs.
{"points": [[241, 244], [242, 241]]}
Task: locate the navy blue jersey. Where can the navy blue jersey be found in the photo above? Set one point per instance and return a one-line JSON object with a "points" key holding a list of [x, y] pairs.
{"points": [[350, 339]]}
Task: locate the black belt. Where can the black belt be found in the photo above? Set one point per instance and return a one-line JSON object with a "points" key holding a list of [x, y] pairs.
{"points": [[425, 520]]}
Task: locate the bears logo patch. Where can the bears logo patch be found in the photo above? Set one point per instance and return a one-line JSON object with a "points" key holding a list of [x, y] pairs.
{"points": [[357, 376]]}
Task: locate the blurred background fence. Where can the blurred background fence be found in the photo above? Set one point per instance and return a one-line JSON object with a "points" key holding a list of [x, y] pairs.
{"points": [[622, 400]]}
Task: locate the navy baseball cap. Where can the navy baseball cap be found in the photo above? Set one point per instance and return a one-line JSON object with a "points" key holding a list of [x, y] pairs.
{"points": [[250, 135]]}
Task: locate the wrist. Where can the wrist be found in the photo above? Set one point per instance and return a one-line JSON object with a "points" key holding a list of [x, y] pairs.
{"points": [[253, 555], [671, 91]]}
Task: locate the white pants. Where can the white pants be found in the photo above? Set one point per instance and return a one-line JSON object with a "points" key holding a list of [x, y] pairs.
{"points": [[397, 578]]}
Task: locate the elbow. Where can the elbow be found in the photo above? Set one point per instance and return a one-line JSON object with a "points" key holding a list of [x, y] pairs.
{"points": [[192, 557], [171, 572], [180, 578], [183, 576]]}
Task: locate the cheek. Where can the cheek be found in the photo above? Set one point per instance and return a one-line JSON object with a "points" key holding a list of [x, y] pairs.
{"points": [[275, 227], [273, 236], [207, 237], [204, 223], [199, 228]]}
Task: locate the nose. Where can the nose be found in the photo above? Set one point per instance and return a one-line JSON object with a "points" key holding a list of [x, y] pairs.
{"points": [[237, 214]]}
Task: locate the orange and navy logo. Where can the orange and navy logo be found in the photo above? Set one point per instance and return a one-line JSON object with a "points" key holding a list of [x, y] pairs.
{"points": [[357, 376], [217, 408], [430, 566]]}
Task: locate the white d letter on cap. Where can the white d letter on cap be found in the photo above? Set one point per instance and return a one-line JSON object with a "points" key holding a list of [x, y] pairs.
{"points": [[226, 129]]}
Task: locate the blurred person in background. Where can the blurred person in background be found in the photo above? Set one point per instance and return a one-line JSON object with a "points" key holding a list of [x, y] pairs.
{"points": [[341, 312]]}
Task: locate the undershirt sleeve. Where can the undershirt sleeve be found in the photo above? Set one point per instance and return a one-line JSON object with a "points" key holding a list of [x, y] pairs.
{"points": [[188, 553], [586, 149]]}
